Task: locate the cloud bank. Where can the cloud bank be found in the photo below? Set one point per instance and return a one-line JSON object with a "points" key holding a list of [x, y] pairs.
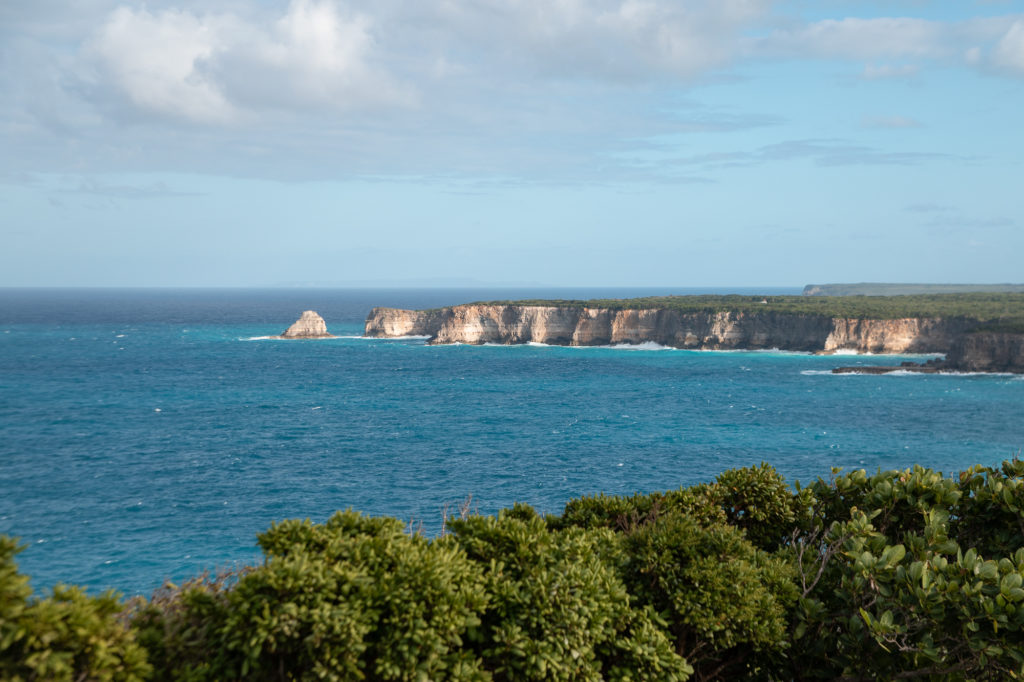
{"points": [[405, 88]]}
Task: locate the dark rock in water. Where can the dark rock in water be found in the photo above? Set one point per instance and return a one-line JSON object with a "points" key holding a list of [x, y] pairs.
{"points": [[902, 367], [309, 326]]}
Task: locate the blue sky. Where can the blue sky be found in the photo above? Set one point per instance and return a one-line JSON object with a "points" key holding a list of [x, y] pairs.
{"points": [[549, 142]]}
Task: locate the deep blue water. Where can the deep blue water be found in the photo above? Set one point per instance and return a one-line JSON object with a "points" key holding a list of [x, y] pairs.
{"points": [[146, 435]]}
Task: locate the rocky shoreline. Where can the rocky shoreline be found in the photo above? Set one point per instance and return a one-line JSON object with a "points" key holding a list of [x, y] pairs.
{"points": [[730, 330]]}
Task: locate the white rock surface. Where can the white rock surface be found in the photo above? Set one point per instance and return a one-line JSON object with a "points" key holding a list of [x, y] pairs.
{"points": [[309, 326], [571, 326]]}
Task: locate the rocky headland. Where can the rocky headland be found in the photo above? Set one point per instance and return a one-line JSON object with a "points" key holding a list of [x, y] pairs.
{"points": [[309, 326], [574, 325], [973, 352]]}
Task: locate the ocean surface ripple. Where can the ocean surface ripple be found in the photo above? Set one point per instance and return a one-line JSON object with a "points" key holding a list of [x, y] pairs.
{"points": [[147, 435]]}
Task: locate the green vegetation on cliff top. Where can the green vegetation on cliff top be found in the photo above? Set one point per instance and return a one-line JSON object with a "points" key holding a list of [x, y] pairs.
{"points": [[995, 311], [896, 289]]}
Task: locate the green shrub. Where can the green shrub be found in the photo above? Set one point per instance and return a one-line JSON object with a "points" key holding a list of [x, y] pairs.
{"points": [[67, 636], [895, 575], [991, 509], [888, 591], [701, 502], [722, 598], [350, 599], [757, 500], [558, 610]]}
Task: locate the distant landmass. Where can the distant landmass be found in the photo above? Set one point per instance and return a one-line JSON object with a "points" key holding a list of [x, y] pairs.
{"points": [[895, 289], [976, 331]]}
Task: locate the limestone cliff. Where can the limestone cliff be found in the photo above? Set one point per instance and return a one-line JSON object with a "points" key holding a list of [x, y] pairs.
{"points": [[903, 335], [987, 352], [582, 326], [309, 326], [391, 322]]}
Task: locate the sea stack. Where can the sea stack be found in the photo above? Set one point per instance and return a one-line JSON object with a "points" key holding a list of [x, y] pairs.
{"points": [[309, 326]]}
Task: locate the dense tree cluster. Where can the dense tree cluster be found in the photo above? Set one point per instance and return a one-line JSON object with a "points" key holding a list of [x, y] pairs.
{"points": [[896, 575], [992, 311]]}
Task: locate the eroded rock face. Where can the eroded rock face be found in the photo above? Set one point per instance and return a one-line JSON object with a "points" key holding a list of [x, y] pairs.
{"points": [[510, 324], [567, 326], [906, 335], [392, 322], [309, 326], [988, 352]]}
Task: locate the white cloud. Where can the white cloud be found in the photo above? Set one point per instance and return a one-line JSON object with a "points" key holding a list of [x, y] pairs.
{"points": [[1009, 51], [154, 61], [902, 38], [855, 38], [214, 68], [873, 72], [601, 39], [503, 88]]}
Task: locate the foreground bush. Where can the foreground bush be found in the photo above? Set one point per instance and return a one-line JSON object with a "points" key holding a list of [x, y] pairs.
{"points": [[67, 636], [896, 575]]}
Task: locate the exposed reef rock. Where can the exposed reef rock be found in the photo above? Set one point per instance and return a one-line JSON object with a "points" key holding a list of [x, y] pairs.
{"points": [[309, 326], [581, 326]]}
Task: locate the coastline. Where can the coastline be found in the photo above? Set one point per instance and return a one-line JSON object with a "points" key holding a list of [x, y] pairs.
{"points": [[962, 340]]}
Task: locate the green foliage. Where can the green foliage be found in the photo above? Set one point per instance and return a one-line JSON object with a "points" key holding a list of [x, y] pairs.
{"points": [[558, 610], [888, 588], [903, 289], [990, 516], [702, 502], [355, 598], [721, 596], [992, 311], [757, 500], [67, 636], [897, 574]]}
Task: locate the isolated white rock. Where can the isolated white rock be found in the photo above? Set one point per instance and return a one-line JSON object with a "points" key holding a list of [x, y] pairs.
{"points": [[309, 326]]}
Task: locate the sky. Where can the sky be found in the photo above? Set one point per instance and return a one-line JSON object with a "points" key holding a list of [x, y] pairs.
{"points": [[699, 143]]}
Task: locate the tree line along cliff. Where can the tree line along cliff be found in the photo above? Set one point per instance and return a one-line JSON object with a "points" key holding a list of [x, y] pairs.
{"points": [[900, 289]]}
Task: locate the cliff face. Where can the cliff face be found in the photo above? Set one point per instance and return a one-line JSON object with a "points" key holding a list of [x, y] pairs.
{"points": [[906, 335], [390, 322], [509, 324], [988, 352]]}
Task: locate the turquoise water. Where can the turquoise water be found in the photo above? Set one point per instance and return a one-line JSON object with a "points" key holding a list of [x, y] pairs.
{"points": [[147, 435]]}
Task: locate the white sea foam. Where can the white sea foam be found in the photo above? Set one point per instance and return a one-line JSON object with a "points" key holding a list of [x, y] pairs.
{"points": [[911, 373], [278, 338], [410, 337], [647, 345], [867, 353]]}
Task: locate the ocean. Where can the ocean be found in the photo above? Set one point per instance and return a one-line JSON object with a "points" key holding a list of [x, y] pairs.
{"points": [[148, 435]]}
